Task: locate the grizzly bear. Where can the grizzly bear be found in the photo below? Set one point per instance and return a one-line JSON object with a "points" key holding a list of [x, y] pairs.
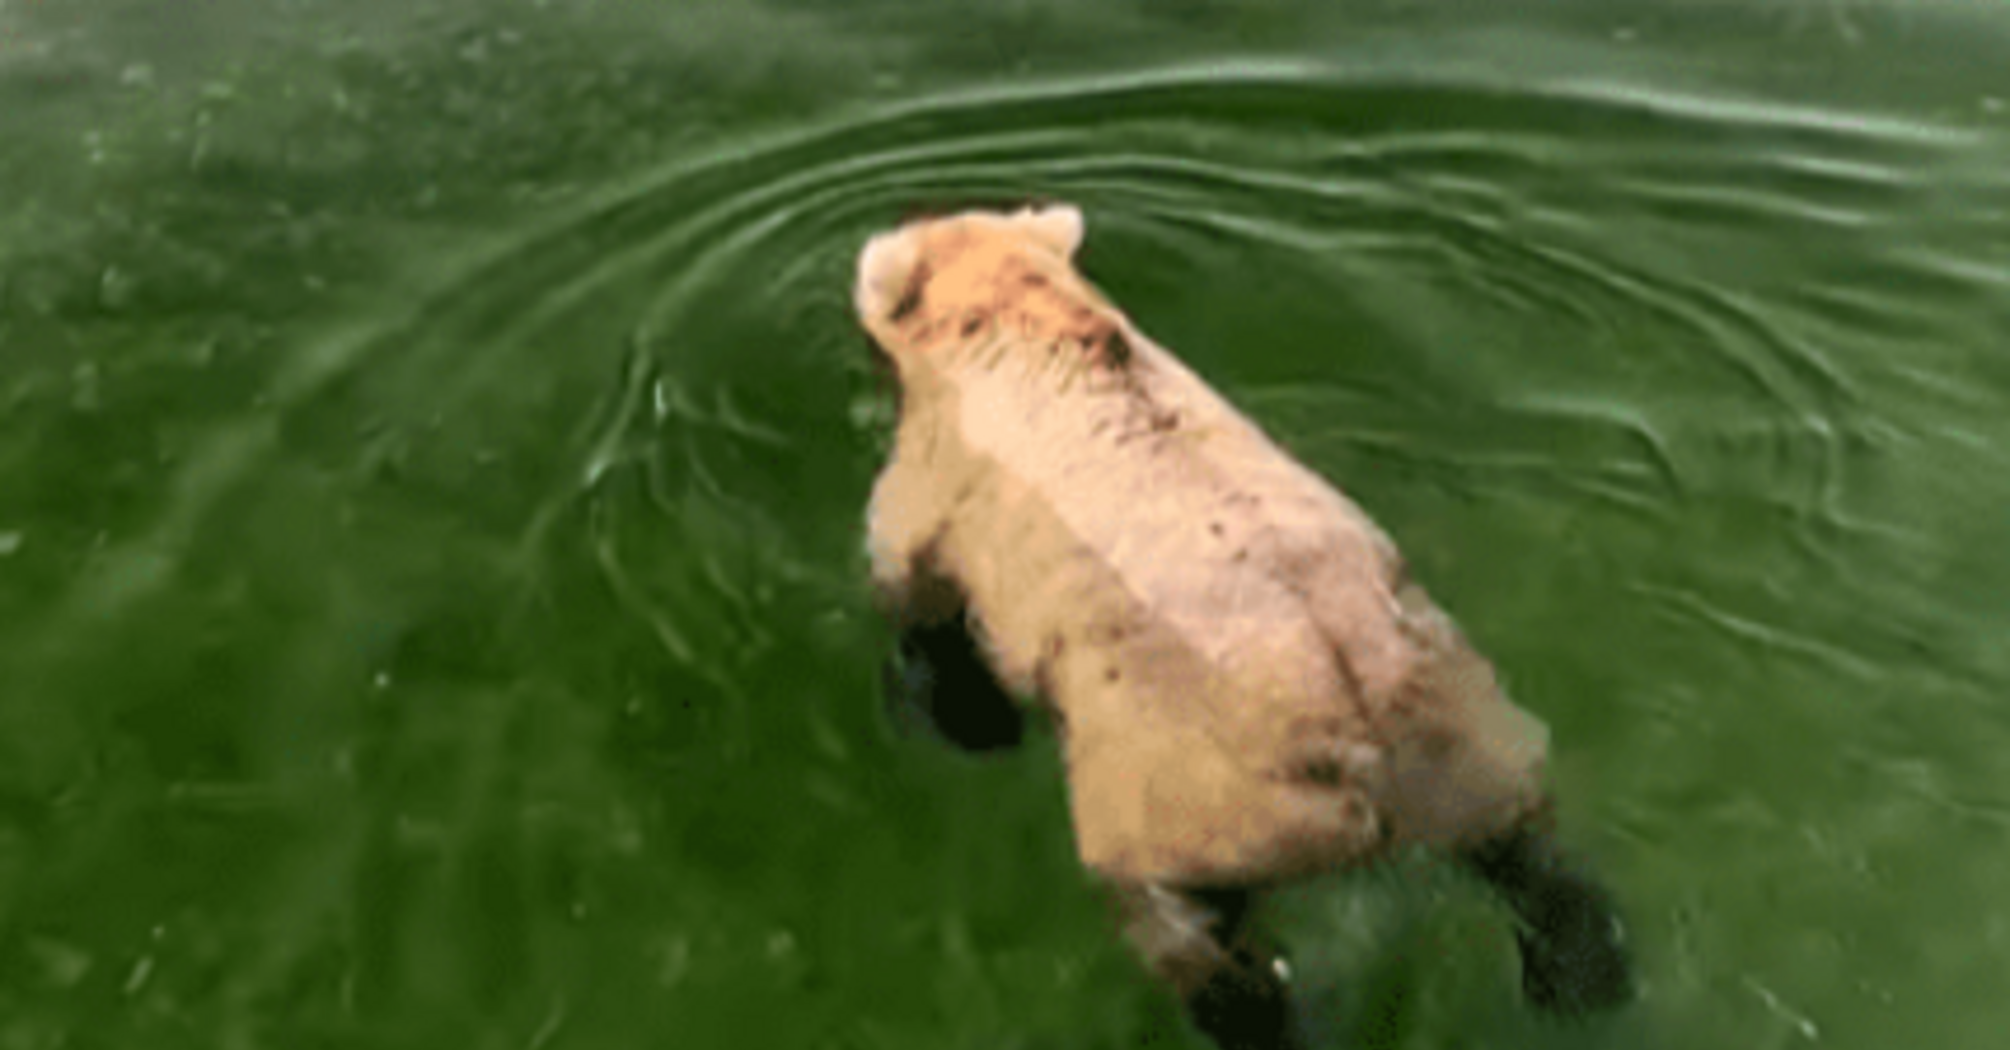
{"points": [[1246, 684]]}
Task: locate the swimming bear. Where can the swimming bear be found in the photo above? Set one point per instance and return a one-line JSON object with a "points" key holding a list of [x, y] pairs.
{"points": [[1247, 685]]}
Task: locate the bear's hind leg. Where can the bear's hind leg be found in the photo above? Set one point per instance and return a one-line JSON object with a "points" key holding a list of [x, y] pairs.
{"points": [[1572, 942], [1198, 943]]}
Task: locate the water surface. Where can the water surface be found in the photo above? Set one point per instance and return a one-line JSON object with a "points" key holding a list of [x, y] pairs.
{"points": [[433, 439]]}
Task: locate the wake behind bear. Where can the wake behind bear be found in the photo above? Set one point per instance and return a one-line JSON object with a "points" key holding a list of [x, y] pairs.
{"points": [[1247, 685]]}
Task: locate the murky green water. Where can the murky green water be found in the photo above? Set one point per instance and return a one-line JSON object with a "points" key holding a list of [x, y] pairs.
{"points": [[433, 439]]}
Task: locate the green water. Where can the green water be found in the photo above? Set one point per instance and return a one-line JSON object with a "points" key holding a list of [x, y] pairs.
{"points": [[433, 440]]}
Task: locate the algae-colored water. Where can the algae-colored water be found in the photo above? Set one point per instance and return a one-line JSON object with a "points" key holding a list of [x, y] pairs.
{"points": [[433, 440]]}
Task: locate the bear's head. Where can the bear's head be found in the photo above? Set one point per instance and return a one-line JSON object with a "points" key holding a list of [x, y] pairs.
{"points": [[941, 280]]}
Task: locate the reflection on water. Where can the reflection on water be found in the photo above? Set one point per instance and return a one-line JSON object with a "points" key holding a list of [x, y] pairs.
{"points": [[432, 441]]}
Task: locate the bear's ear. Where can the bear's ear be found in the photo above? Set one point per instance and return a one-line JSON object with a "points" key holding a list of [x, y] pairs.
{"points": [[887, 270], [1059, 226]]}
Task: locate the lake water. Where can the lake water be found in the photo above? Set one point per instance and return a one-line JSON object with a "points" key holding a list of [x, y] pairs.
{"points": [[433, 442]]}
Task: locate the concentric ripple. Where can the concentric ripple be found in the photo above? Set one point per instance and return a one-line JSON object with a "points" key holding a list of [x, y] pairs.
{"points": [[1530, 250]]}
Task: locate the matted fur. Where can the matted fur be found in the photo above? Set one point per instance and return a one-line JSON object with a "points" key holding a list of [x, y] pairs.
{"points": [[1247, 684]]}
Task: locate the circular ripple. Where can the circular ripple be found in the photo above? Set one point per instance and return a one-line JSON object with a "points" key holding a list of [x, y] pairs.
{"points": [[1536, 263]]}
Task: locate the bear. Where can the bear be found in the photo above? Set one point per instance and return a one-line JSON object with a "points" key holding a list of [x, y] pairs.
{"points": [[1246, 685]]}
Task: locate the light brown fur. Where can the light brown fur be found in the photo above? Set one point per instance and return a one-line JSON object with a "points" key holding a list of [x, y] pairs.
{"points": [[1248, 685]]}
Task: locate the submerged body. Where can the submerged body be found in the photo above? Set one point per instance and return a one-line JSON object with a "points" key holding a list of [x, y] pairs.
{"points": [[1247, 685]]}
